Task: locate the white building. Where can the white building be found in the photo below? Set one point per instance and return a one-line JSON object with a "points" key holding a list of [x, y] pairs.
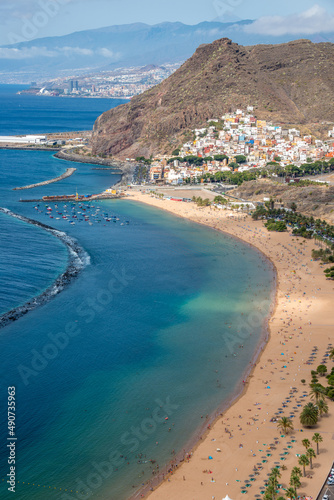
{"points": [[25, 139]]}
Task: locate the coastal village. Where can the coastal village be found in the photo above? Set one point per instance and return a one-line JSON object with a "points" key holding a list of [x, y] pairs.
{"points": [[239, 142]]}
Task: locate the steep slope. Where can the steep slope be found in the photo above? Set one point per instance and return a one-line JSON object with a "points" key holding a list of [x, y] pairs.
{"points": [[289, 83]]}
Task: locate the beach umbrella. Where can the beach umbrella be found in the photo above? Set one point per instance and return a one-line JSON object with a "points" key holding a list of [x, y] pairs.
{"points": [[227, 498]]}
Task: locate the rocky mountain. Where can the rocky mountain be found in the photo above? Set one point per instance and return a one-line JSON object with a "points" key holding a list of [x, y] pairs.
{"points": [[286, 83], [136, 44]]}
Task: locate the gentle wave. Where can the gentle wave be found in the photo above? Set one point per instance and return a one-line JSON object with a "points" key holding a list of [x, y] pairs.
{"points": [[78, 260]]}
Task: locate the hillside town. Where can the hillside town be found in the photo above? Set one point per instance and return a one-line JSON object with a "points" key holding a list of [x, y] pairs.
{"points": [[239, 142]]}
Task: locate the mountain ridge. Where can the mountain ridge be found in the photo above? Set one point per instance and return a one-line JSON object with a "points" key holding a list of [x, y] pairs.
{"points": [[136, 44], [286, 83]]}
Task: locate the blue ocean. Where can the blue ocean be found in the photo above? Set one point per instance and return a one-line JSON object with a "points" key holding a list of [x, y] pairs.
{"points": [[117, 373]]}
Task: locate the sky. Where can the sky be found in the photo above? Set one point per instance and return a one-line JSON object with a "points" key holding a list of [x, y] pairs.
{"points": [[22, 20]]}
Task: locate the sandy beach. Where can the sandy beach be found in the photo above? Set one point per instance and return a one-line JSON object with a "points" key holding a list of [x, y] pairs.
{"points": [[244, 437]]}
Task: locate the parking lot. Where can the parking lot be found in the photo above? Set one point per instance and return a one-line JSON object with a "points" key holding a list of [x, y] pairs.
{"points": [[327, 493]]}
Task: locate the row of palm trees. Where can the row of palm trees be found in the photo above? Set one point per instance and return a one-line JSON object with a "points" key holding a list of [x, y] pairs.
{"points": [[272, 486], [320, 228], [304, 460], [308, 417]]}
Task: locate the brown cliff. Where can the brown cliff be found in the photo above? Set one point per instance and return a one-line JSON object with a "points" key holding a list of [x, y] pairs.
{"points": [[287, 83]]}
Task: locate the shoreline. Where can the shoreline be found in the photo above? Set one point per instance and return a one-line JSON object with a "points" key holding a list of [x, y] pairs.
{"points": [[68, 173], [124, 168], [184, 481], [31, 148], [202, 432]]}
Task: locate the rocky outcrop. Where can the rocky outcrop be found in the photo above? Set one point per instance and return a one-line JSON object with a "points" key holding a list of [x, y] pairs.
{"points": [[287, 83]]}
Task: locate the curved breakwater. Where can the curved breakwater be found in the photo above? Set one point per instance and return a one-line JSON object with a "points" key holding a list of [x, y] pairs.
{"points": [[68, 173], [78, 260]]}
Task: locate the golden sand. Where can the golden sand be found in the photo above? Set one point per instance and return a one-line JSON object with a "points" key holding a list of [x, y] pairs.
{"points": [[302, 320]]}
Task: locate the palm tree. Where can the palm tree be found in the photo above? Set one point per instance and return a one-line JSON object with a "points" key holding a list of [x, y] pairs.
{"points": [[285, 424], [296, 471], [309, 415], [271, 491], [290, 493], [310, 453], [306, 443], [273, 478], [331, 354], [303, 460], [322, 407], [317, 392], [295, 482], [317, 438]]}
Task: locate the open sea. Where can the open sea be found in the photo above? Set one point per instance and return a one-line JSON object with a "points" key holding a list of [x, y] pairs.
{"points": [[115, 374]]}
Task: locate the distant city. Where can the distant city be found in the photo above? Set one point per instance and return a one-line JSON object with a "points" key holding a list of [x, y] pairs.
{"points": [[123, 83]]}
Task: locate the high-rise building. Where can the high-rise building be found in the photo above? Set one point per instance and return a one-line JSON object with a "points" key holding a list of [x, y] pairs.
{"points": [[73, 85]]}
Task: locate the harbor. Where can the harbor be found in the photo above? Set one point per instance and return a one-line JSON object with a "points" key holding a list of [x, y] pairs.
{"points": [[75, 198]]}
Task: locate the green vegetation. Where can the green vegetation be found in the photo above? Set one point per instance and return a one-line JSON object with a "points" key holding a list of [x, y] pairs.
{"points": [[322, 369], [306, 227], [272, 486], [309, 415], [278, 226], [220, 200], [285, 425], [325, 255], [310, 453], [219, 125], [319, 392], [220, 157], [329, 272], [200, 202], [142, 159], [317, 438], [260, 212], [303, 460], [240, 159]]}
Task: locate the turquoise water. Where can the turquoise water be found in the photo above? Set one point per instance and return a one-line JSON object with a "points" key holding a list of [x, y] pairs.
{"points": [[119, 369]]}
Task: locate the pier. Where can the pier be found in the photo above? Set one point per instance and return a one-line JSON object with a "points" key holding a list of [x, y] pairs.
{"points": [[74, 198]]}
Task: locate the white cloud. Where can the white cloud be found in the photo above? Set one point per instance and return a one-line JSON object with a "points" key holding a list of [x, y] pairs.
{"points": [[209, 33], [106, 52], [69, 51], [314, 20], [32, 52], [26, 53]]}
